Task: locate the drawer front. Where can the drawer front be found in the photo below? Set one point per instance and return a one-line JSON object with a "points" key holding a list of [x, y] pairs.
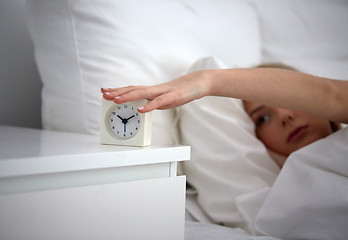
{"points": [[88, 177], [145, 209]]}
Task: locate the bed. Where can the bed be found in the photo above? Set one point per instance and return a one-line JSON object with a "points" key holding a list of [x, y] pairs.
{"points": [[235, 190]]}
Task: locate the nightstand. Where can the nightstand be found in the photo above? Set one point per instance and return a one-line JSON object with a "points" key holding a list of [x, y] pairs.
{"points": [[56, 185]]}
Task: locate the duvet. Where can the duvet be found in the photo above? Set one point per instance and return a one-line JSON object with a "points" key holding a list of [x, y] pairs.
{"points": [[309, 199]]}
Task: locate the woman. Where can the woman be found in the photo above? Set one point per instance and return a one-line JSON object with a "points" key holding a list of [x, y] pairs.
{"points": [[290, 109]]}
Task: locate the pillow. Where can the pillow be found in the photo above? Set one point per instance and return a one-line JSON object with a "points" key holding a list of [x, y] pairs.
{"points": [[227, 160], [310, 36], [309, 198], [82, 46]]}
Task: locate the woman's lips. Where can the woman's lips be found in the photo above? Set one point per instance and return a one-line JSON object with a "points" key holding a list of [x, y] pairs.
{"points": [[297, 134]]}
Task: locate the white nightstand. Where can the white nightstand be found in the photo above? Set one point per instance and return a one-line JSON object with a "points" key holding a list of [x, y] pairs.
{"points": [[56, 185]]}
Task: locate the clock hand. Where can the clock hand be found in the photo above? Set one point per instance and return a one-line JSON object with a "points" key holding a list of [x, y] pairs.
{"points": [[124, 120], [130, 117]]}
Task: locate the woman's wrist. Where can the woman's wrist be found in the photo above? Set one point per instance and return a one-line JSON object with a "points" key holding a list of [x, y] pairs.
{"points": [[218, 84]]}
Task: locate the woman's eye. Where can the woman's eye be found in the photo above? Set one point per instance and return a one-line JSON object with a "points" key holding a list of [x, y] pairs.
{"points": [[262, 119]]}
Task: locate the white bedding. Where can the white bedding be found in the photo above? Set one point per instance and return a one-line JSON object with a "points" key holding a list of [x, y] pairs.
{"points": [[207, 231], [309, 199]]}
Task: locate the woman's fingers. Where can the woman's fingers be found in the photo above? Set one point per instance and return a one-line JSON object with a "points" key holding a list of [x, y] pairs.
{"points": [[163, 101], [111, 93], [131, 93], [141, 93], [121, 90]]}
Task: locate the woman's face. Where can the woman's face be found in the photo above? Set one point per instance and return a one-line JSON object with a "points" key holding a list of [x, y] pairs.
{"points": [[285, 131]]}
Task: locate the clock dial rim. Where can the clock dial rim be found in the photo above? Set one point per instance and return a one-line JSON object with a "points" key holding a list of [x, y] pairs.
{"points": [[109, 125]]}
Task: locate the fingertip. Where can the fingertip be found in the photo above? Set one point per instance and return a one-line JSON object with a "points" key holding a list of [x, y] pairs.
{"points": [[117, 100], [104, 90], [141, 109], [144, 109], [107, 96]]}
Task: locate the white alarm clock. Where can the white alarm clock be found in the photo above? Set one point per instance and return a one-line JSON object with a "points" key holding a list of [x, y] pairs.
{"points": [[122, 124]]}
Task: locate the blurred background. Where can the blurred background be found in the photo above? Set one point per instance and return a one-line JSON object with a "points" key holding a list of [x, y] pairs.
{"points": [[19, 78]]}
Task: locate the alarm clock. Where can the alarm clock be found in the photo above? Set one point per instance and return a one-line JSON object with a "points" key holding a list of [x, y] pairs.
{"points": [[122, 124]]}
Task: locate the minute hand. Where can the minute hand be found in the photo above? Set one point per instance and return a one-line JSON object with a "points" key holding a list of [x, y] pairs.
{"points": [[130, 117]]}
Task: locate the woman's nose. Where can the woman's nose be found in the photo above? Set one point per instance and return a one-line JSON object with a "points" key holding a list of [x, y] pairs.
{"points": [[286, 117]]}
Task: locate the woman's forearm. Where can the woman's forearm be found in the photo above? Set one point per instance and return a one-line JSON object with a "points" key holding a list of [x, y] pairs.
{"points": [[321, 97]]}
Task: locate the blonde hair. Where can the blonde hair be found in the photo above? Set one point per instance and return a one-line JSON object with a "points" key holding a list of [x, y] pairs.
{"points": [[277, 65]]}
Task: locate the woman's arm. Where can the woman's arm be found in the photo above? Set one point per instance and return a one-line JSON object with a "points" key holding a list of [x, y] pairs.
{"points": [[321, 97]]}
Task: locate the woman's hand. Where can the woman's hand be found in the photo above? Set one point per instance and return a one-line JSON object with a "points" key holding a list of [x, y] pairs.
{"points": [[166, 95]]}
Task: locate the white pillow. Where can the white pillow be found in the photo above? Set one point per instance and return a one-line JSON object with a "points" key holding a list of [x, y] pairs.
{"points": [[227, 160], [309, 35], [82, 46]]}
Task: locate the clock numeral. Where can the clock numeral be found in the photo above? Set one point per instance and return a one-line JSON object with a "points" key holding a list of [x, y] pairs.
{"points": [[130, 121]]}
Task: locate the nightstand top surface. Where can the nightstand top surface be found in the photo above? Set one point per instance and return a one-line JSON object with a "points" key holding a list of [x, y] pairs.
{"points": [[25, 151]]}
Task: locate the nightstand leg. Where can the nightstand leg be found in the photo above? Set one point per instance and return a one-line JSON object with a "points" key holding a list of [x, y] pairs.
{"points": [[173, 169]]}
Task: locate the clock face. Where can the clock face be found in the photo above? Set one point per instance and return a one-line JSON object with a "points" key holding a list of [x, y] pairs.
{"points": [[124, 120]]}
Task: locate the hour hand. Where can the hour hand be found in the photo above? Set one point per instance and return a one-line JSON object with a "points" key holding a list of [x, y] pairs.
{"points": [[120, 117]]}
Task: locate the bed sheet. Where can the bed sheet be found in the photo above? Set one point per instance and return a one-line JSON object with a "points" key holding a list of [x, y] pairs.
{"points": [[207, 231]]}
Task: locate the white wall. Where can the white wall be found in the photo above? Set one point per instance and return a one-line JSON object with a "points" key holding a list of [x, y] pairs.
{"points": [[20, 85]]}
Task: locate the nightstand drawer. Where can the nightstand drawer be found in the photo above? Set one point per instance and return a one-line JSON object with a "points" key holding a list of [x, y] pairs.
{"points": [[147, 209]]}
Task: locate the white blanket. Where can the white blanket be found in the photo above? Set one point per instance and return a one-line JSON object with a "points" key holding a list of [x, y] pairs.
{"points": [[309, 199]]}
